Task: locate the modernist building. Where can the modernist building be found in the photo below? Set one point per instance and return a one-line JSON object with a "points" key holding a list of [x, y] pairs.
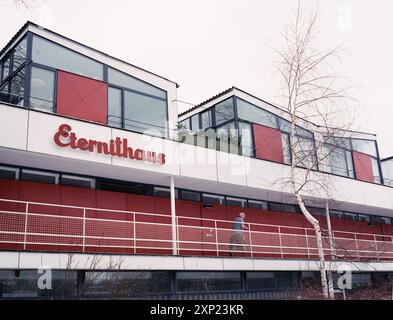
{"points": [[103, 181]]}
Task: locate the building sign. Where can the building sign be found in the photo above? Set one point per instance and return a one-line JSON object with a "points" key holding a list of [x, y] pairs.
{"points": [[117, 147]]}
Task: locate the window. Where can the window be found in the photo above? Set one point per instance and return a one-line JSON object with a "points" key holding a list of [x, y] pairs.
{"points": [[126, 81], [42, 89], [386, 220], [195, 122], [336, 214], [39, 176], [77, 181], [246, 139], [259, 281], [164, 192], [285, 125], [4, 94], [286, 148], [208, 281], [6, 67], [305, 153], [9, 173], [281, 207], [376, 173], [17, 88], [206, 119], [257, 204], [144, 114], [212, 199], [249, 112], [317, 211], [338, 161], [365, 146], [224, 111], [114, 107], [185, 124], [363, 217], [121, 186], [19, 56], [53, 55], [121, 284], [236, 202], [229, 141], [190, 195], [350, 216]]}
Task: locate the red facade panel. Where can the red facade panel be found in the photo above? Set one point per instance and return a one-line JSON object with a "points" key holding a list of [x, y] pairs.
{"points": [[268, 143], [363, 166], [81, 97]]}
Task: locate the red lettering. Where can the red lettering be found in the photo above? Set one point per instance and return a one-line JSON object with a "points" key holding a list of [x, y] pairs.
{"points": [[115, 147], [63, 131], [83, 144]]}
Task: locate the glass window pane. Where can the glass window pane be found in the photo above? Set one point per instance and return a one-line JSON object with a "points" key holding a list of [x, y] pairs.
{"points": [[114, 107], [257, 204], [282, 207], [365, 146], [363, 217], [4, 94], [236, 202], [20, 54], [18, 88], [185, 124], [206, 119], [123, 80], [6, 67], [9, 173], [338, 161], [122, 284], [351, 171], [224, 111], [144, 114], [376, 174], [77, 181], [246, 140], [42, 89], [53, 55], [195, 122], [285, 125], [304, 153], [212, 199], [249, 112], [286, 148], [39, 176], [190, 195], [208, 281], [336, 214]]}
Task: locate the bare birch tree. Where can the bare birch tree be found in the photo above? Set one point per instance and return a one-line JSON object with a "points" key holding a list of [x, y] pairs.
{"points": [[313, 91]]}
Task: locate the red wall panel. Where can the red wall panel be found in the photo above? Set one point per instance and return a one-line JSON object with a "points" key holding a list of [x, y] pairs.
{"points": [[81, 97], [363, 166], [268, 143]]}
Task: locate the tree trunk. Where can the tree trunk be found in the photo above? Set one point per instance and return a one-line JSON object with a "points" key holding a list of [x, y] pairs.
{"points": [[318, 234]]}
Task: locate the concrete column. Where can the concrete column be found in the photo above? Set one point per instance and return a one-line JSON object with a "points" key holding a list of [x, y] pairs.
{"points": [[173, 217]]}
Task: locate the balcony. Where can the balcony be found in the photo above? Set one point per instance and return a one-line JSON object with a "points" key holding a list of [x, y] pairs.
{"points": [[37, 226]]}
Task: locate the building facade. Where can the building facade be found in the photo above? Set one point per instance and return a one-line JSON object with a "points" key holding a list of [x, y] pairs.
{"points": [[104, 183]]}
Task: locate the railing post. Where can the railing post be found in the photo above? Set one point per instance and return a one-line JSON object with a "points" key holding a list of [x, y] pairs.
{"points": [[216, 235], [84, 230], [249, 236], [376, 247], [307, 244], [134, 230], [177, 236], [25, 231], [357, 247], [279, 236], [173, 216]]}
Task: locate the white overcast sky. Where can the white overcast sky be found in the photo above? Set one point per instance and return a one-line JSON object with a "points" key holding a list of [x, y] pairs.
{"points": [[207, 46]]}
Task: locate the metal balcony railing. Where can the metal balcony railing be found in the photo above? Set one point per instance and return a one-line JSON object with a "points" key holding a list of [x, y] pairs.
{"points": [[39, 226]]}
